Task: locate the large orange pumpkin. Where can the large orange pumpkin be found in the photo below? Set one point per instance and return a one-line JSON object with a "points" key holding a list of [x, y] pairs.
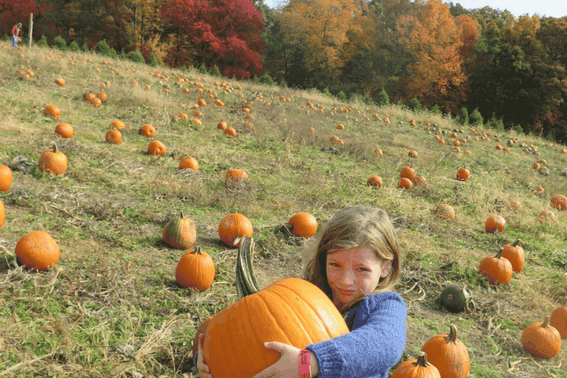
{"points": [[234, 174], [234, 226], [445, 211], [147, 130], [195, 269], [559, 201], [37, 250], [495, 223], [53, 161], [52, 111], [541, 339], [64, 130], [292, 310], [189, 163], [303, 225], [408, 172], [5, 178], [113, 136], [515, 254], [156, 148], [180, 232], [448, 354]]}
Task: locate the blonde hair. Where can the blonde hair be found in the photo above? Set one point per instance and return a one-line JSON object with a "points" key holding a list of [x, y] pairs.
{"points": [[350, 228]]}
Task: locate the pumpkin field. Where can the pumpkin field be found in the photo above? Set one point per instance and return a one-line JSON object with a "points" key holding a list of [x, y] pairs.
{"points": [[110, 305]]}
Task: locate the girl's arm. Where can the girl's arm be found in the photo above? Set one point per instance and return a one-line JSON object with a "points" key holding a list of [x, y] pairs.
{"points": [[375, 344]]}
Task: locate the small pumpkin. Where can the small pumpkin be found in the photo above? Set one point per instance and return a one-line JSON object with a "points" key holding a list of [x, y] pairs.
{"points": [[417, 368], [408, 172], [52, 111], [538, 190], [117, 124], [147, 130], [412, 154], [303, 225], [378, 152], [156, 148], [37, 250], [515, 254], [463, 174], [546, 216], [60, 82], [445, 211], [222, 125], [542, 339], [454, 298], [558, 320], [420, 180], [195, 269], [180, 232], [405, 183], [53, 161], [497, 268], [374, 181], [234, 226], [448, 354], [234, 174], [495, 223], [559, 201], [2, 214], [64, 130], [189, 163], [516, 205], [230, 131], [113, 136], [5, 178]]}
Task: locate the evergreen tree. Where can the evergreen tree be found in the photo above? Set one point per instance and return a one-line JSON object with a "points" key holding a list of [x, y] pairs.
{"points": [[463, 117], [59, 43], [476, 118], [414, 104], [152, 60], [383, 99]]}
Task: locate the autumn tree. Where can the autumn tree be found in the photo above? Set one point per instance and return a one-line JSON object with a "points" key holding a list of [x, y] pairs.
{"points": [[226, 33], [437, 43]]}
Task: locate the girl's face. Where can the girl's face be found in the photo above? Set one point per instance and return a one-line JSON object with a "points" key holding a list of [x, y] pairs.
{"points": [[354, 273]]}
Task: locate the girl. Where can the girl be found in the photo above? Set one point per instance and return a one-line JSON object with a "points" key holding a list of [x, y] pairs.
{"points": [[16, 34], [354, 259]]}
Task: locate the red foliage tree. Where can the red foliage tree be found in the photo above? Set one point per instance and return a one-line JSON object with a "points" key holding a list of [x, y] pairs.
{"points": [[16, 11], [226, 33]]}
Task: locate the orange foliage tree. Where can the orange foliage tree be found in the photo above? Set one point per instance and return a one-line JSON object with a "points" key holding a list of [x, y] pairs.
{"points": [[439, 45]]}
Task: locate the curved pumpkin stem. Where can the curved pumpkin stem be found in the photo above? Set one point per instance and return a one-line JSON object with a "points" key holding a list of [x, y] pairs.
{"points": [[515, 244], [54, 147], [452, 338], [245, 280], [182, 215], [545, 323], [422, 360], [197, 250], [499, 254]]}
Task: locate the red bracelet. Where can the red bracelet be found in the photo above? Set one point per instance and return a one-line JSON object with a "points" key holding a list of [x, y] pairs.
{"points": [[304, 364]]}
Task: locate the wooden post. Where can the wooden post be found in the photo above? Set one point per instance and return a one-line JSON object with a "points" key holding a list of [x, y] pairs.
{"points": [[31, 29]]}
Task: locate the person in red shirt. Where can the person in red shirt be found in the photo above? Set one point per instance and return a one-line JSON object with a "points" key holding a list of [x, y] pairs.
{"points": [[16, 33]]}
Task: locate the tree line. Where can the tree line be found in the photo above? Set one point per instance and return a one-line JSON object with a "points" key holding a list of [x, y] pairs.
{"points": [[508, 71]]}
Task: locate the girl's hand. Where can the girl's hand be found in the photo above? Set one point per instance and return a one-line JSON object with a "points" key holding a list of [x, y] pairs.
{"points": [[287, 366], [204, 370]]}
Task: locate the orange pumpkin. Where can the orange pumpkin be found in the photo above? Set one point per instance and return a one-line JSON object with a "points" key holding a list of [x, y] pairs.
{"points": [[546, 216], [234, 226], [64, 130], [37, 250], [117, 124], [195, 269], [180, 232], [374, 181], [405, 183], [378, 152], [114, 136], [234, 174], [222, 125], [495, 223], [558, 320], [497, 268], [147, 130], [156, 148], [538, 190], [5, 178], [303, 225], [516, 205], [230, 131], [445, 211], [515, 254], [2, 214], [541, 339], [52, 111], [448, 354], [60, 82], [53, 161], [463, 174], [559, 201], [408, 172], [417, 368], [189, 163]]}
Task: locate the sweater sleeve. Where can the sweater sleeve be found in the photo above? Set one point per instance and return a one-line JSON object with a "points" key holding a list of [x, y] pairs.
{"points": [[374, 345]]}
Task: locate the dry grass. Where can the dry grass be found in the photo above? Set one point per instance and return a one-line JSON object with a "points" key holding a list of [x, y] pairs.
{"points": [[111, 306]]}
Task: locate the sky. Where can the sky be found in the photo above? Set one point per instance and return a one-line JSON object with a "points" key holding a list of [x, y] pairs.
{"points": [[549, 8]]}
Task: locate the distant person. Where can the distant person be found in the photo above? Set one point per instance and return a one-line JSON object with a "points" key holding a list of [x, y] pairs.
{"points": [[16, 34]]}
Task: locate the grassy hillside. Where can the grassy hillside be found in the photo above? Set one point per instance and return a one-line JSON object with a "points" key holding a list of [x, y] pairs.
{"points": [[111, 305]]}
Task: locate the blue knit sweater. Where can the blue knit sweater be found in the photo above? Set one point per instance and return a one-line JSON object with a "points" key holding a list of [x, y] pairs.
{"points": [[376, 341]]}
